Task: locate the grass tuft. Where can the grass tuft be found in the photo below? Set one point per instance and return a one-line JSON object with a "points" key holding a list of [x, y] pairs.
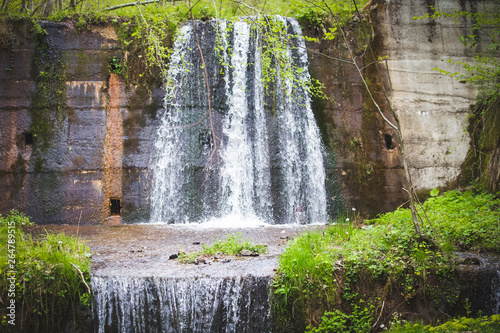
{"points": [[232, 245]]}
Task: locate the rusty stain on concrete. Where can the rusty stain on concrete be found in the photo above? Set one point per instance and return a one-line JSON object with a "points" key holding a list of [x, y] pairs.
{"points": [[113, 148]]}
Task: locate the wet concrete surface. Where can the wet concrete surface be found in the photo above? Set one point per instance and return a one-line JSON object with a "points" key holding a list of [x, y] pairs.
{"points": [[144, 250]]}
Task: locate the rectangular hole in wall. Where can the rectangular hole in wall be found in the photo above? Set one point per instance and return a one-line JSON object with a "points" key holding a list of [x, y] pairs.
{"points": [[115, 206], [28, 139]]}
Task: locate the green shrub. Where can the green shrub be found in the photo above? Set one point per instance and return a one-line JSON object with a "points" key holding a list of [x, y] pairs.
{"points": [[479, 325], [466, 220], [358, 321], [321, 269]]}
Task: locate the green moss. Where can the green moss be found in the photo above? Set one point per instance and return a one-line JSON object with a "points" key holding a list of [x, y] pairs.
{"points": [[82, 63], [484, 131], [47, 107]]}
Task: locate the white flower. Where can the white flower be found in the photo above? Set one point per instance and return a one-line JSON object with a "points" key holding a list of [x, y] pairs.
{"points": [[60, 242], [353, 209], [347, 219]]}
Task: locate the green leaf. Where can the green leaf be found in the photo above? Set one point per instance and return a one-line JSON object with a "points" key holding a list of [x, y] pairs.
{"points": [[434, 192]]}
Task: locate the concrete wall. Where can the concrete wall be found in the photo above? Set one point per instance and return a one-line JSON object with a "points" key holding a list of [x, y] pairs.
{"points": [[100, 144], [90, 158], [432, 107]]}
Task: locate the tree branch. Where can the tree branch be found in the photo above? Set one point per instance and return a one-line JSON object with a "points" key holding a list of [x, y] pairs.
{"points": [[212, 129], [83, 278], [137, 3]]}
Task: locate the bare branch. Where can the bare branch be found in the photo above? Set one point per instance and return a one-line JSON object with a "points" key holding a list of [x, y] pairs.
{"points": [[212, 129], [83, 278]]}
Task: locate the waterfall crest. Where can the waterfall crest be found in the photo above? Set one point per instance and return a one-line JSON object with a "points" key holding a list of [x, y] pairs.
{"points": [[269, 165]]}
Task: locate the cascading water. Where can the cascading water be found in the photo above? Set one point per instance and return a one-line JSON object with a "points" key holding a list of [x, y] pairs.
{"points": [[194, 305], [248, 160], [255, 157]]}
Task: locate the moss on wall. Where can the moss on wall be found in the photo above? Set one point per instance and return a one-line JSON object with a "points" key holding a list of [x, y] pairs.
{"points": [[47, 107], [481, 164]]}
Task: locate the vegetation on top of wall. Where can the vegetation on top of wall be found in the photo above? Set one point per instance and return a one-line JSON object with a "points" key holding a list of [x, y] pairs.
{"points": [[51, 277], [329, 273], [203, 9], [147, 30]]}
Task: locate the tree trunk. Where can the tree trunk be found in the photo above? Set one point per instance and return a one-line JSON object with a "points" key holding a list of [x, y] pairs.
{"points": [[49, 6], [23, 7], [5, 4]]}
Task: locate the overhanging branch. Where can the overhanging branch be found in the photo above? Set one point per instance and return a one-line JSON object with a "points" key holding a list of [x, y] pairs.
{"points": [[137, 3]]}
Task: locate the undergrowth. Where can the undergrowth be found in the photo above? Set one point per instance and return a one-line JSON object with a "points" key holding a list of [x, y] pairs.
{"points": [[51, 274], [325, 271], [483, 325]]}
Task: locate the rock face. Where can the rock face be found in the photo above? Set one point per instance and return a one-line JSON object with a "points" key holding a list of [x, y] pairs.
{"points": [[76, 141]]}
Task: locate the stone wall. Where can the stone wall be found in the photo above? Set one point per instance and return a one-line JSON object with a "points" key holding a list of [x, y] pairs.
{"points": [[432, 107]]}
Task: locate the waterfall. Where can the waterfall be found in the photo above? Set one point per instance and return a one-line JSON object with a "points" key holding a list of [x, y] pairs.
{"points": [[168, 304], [268, 165]]}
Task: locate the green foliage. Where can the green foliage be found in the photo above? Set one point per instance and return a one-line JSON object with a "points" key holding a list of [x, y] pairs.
{"points": [[276, 61], [434, 192], [52, 275], [358, 321], [463, 220], [485, 71], [483, 325], [16, 219], [315, 12], [232, 245], [148, 37], [320, 268], [115, 65]]}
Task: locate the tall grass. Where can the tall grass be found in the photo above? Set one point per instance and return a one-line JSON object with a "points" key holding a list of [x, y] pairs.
{"points": [[52, 277], [320, 269]]}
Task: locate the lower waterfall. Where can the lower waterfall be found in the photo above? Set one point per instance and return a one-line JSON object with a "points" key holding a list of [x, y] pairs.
{"points": [[268, 165], [168, 304]]}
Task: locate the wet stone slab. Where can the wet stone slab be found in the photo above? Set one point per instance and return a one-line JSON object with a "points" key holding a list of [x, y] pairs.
{"points": [[144, 250], [138, 288]]}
